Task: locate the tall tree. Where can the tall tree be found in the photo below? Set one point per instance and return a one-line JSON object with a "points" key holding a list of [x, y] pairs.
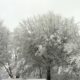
{"points": [[44, 41]]}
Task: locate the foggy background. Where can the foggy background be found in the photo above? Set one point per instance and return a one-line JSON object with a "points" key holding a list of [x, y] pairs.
{"points": [[13, 11]]}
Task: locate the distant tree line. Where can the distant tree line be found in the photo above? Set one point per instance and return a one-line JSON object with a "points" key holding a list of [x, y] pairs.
{"points": [[45, 46]]}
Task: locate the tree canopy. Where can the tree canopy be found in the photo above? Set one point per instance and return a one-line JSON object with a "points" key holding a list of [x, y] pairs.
{"points": [[47, 41]]}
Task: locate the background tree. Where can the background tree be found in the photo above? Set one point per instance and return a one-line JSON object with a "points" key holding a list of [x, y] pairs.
{"points": [[4, 41], [7, 52]]}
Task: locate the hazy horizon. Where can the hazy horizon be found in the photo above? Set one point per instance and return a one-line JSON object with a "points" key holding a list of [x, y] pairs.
{"points": [[13, 11]]}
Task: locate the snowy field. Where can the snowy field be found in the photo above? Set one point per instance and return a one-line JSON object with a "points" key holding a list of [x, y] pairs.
{"points": [[23, 79]]}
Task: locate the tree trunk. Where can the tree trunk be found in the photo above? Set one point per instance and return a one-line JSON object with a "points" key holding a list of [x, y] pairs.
{"points": [[77, 76], [10, 75], [40, 72], [10, 72], [48, 73], [17, 75]]}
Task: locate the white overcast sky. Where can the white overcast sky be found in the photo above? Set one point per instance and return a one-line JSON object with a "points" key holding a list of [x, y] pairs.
{"points": [[13, 11]]}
